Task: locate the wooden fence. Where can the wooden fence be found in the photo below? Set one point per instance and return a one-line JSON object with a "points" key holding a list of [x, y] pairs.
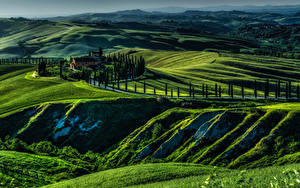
{"points": [[268, 89]]}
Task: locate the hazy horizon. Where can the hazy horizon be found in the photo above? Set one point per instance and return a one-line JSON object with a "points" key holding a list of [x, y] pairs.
{"points": [[42, 8]]}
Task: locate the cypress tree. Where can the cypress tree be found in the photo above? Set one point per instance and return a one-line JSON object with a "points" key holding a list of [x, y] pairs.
{"points": [[220, 91], [290, 89], [243, 90], [298, 91], [118, 82], [229, 89], [193, 92], [135, 87], [172, 92], [286, 90], [166, 89], [190, 89], [206, 91], [178, 92], [154, 91], [126, 84], [216, 90], [61, 69], [231, 92], [278, 89], [203, 90], [144, 87], [255, 89], [99, 78]]}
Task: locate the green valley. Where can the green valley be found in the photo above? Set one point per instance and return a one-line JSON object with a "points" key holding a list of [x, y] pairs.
{"points": [[151, 99]]}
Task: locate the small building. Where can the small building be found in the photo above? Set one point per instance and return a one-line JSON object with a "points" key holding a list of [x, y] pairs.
{"points": [[94, 60]]}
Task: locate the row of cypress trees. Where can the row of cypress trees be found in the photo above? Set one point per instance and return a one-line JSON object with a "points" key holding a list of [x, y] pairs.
{"points": [[126, 66], [34, 61]]}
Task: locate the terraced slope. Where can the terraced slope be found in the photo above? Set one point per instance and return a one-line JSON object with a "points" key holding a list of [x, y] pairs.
{"points": [[178, 68], [187, 175], [230, 138]]}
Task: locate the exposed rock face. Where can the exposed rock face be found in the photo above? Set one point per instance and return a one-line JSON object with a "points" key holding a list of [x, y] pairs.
{"points": [[201, 122], [208, 127], [218, 127]]}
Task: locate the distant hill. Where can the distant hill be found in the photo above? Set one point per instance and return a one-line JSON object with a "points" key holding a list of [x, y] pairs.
{"points": [[222, 17], [282, 9]]}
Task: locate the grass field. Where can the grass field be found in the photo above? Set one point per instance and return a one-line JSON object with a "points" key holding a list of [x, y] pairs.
{"points": [[188, 175], [65, 39], [27, 170], [179, 68], [18, 89]]}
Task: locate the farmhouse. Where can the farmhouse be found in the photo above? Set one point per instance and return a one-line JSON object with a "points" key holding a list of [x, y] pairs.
{"points": [[94, 59]]}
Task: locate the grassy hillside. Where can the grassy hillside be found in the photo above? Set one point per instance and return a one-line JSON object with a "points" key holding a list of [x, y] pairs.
{"points": [[178, 68], [27, 170], [18, 89], [187, 175]]}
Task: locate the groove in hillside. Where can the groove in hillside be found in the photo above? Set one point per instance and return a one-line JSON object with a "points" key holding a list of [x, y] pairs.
{"points": [[283, 132], [248, 140], [220, 145]]}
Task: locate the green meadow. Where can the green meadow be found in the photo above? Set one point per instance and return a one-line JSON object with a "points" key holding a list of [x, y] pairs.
{"points": [[19, 90], [188, 175]]}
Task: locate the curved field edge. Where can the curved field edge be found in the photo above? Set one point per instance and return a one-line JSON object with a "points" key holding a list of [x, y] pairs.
{"points": [[19, 91]]}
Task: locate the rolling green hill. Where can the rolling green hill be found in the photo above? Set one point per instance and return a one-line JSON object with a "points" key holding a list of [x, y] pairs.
{"points": [[27, 170], [178, 68], [65, 39], [19, 90], [187, 175]]}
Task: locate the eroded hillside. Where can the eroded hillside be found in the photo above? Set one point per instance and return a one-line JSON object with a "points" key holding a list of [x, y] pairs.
{"points": [[231, 138], [86, 126]]}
